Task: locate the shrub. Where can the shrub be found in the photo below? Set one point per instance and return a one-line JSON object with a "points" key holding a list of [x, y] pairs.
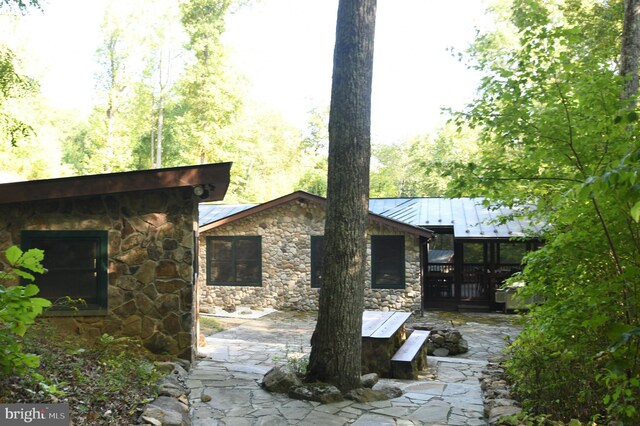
{"points": [[19, 308]]}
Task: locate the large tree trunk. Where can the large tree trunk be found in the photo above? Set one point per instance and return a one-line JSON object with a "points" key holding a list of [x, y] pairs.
{"points": [[336, 342], [630, 52]]}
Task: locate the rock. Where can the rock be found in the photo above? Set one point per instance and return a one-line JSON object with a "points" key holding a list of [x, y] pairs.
{"points": [[496, 413], [438, 339], [184, 364], [280, 379], [369, 380], [205, 397], [391, 391], [363, 395], [441, 352], [167, 411], [151, 421], [165, 367], [322, 393], [169, 389], [447, 339], [173, 382]]}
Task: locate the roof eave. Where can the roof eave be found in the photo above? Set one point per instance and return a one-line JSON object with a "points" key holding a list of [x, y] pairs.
{"points": [[214, 176]]}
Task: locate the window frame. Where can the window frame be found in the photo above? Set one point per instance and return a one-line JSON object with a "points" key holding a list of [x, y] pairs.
{"points": [[101, 306], [233, 239], [384, 239]]}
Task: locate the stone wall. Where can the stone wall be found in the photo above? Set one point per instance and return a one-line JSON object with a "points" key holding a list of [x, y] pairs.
{"points": [[150, 272], [286, 232]]}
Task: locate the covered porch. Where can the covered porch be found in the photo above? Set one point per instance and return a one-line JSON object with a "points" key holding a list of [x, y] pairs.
{"points": [[477, 246]]}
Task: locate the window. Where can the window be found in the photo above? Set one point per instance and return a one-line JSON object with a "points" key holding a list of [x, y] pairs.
{"points": [[76, 263], [317, 250], [234, 261], [442, 241], [473, 253], [387, 261], [512, 253]]}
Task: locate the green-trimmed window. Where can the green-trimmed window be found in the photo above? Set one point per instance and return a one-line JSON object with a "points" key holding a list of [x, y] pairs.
{"points": [[234, 261], [317, 249], [387, 261], [76, 263]]}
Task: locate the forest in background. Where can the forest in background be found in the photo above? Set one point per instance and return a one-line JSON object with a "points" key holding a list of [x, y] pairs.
{"points": [[554, 123], [166, 95]]}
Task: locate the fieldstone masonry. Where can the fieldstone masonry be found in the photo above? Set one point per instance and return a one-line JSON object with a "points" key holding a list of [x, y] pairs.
{"points": [[286, 232], [151, 254]]}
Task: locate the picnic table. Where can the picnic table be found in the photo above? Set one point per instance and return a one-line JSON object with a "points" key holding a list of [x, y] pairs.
{"points": [[383, 333]]}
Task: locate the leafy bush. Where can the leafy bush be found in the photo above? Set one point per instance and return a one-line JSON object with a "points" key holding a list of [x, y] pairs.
{"points": [[19, 308], [105, 380]]}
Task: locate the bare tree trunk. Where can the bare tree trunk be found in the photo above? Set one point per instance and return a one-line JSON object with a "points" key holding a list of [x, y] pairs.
{"points": [[336, 342], [630, 52], [160, 116], [152, 133], [159, 138]]}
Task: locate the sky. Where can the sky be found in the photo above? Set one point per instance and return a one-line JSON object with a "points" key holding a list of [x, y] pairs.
{"points": [[285, 50]]}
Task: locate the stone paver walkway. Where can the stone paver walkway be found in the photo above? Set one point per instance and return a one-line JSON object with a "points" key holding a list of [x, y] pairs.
{"points": [[448, 393]]}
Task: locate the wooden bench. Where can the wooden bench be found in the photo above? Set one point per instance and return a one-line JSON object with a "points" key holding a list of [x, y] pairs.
{"points": [[411, 357], [382, 334]]}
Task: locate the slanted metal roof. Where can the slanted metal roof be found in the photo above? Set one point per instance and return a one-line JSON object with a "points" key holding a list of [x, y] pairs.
{"points": [[210, 213], [468, 216], [215, 215]]}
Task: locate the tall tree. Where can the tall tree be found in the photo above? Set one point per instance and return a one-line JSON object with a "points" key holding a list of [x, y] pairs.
{"points": [[336, 343], [556, 131], [209, 97], [314, 153], [630, 51], [13, 85]]}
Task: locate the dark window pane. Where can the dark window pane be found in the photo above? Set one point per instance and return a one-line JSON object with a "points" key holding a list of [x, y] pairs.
{"points": [[247, 249], [473, 253], [222, 271], [387, 261], [234, 260], [76, 265], [247, 272], [442, 242], [221, 250], [60, 253], [512, 253]]}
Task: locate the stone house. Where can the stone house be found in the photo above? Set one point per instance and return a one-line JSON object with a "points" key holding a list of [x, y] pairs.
{"points": [[268, 255], [124, 244], [423, 253]]}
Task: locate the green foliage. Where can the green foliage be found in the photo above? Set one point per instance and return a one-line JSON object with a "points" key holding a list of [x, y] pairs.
{"points": [[92, 375], [418, 167], [209, 98], [554, 131], [297, 361], [12, 85], [19, 308]]}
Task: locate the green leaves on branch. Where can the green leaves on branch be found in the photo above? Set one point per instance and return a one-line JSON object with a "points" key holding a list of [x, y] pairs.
{"points": [[555, 130], [19, 308]]}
